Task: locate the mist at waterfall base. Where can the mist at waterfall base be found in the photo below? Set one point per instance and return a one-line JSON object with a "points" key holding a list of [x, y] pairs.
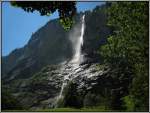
{"points": [[76, 38]]}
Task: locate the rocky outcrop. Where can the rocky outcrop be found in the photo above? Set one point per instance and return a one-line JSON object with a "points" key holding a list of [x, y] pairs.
{"points": [[43, 89], [51, 45]]}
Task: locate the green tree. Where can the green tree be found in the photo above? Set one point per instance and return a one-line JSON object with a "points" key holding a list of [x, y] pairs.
{"points": [[66, 9], [128, 46], [71, 96], [9, 102], [91, 99]]}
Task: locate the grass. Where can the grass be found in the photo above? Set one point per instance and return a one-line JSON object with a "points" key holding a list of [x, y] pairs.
{"points": [[94, 109], [77, 110]]}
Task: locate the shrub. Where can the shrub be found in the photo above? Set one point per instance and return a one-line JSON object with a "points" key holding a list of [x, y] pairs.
{"points": [[71, 97], [91, 100], [9, 102]]}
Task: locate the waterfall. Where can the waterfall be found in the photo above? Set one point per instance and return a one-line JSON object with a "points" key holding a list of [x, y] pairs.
{"points": [[77, 54], [77, 44]]}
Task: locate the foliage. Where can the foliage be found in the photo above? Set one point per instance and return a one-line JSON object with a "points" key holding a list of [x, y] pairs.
{"points": [[9, 102], [65, 9], [91, 100], [60, 103], [128, 103], [128, 46], [140, 88], [71, 96]]}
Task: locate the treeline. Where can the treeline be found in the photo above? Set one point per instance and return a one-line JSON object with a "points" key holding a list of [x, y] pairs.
{"points": [[128, 48]]}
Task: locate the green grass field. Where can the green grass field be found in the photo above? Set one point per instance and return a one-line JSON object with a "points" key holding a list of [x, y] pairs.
{"points": [[94, 109]]}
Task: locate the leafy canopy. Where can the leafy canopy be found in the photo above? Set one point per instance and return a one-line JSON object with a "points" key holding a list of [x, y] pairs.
{"points": [[66, 9], [128, 46]]}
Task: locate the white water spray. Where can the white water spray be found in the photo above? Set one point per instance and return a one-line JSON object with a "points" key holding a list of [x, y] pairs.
{"points": [[77, 54], [77, 42]]}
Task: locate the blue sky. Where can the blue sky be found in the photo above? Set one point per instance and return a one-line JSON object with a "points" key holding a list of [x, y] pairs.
{"points": [[18, 25]]}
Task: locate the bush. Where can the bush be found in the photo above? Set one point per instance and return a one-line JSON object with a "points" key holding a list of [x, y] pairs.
{"points": [[9, 102], [60, 103], [128, 103], [71, 97], [91, 100]]}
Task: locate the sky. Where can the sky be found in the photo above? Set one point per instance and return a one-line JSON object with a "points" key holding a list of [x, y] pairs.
{"points": [[18, 25]]}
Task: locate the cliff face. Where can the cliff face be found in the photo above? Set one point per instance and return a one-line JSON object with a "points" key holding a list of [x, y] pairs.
{"points": [[50, 45], [96, 32]]}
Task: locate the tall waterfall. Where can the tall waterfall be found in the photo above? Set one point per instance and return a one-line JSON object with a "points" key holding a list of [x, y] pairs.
{"points": [[77, 54], [77, 43]]}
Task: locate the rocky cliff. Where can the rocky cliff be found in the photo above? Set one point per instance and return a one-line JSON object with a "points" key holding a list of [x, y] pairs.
{"points": [[35, 73], [91, 81], [51, 45]]}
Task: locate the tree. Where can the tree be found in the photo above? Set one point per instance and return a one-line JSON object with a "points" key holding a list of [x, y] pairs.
{"points": [[9, 102], [91, 99], [71, 96], [128, 46], [66, 9]]}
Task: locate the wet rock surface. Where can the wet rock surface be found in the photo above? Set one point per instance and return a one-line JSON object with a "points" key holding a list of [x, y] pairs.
{"points": [[43, 89]]}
